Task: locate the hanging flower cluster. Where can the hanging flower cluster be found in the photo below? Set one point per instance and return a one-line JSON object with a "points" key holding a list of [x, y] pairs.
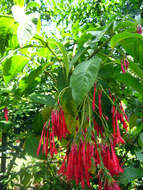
{"points": [[77, 163], [96, 151], [59, 130]]}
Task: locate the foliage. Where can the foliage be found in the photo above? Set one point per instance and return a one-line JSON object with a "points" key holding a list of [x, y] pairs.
{"points": [[82, 90]]}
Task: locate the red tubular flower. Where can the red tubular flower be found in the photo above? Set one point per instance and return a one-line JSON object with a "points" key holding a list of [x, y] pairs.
{"points": [[117, 138], [100, 185], [117, 168], [112, 186], [113, 120], [99, 102], [126, 63], [122, 109], [122, 67], [40, 142], [93, 102], [58, 124], [6, 113]]}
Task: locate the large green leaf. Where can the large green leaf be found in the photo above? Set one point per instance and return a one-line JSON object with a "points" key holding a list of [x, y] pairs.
{"points": [[83, 78], [130, 174], [131, 42], [13, 66]]}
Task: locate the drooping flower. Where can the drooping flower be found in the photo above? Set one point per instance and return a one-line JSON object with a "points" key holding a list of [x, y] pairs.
{"points": [[6, 113], [99, 102], [42, 135], [93, 102], [122, 67]]}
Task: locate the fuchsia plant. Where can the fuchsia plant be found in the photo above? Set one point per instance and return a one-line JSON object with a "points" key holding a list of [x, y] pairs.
{"points": [[80, 156]]}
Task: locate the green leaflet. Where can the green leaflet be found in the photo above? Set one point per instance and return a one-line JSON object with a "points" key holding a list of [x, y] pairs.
{"points": [[83, 78], [13, 66]]}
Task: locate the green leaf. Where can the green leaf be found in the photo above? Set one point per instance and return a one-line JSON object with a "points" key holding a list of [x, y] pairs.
{"points": [[19, 3], [129, 81], [77, 56], [40, 119], [65, 56], [13, 66], [47, 100], [29, 82], [31, 145], [141, 138], [132, 120], [127, 25], [118, 38], [32, 4], [130, 174], [83, 78], [136, 69]]}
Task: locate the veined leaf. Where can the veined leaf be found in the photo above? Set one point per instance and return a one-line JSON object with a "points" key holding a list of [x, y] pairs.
{"points": [[83, 78], [13, 66]]}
